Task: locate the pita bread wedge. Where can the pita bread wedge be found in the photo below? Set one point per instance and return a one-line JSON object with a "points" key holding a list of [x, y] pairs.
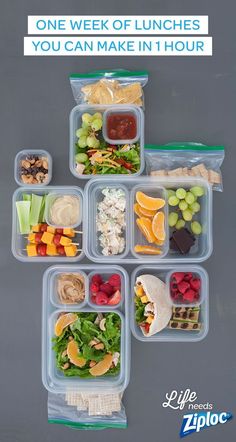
{"points": [[155, 291]]}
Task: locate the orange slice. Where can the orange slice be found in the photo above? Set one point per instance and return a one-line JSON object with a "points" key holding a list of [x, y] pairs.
{"points": [[63, 321], [145, 226], [149, 203], [73, 354], [101, 367], [147, 250], [158, 226], [140, 211]]}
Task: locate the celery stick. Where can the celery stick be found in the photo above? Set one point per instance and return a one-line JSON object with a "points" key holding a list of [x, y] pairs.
{"points": [[36, 203], [23, 212], [42, 210], [26, 197]]}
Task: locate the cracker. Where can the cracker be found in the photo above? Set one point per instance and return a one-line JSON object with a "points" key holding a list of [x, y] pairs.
{"points": [[176, 172], [161, 172], [214, 177]]}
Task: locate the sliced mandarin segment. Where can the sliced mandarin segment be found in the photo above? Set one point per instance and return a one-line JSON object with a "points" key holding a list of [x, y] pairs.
{"points": [[140, 211], [147, 250], [63, 321], [102, 367], [158, 226], [145, 226], [148, 202], [73, 354]]}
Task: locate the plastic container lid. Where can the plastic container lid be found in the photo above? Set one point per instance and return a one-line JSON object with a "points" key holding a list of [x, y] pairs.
{"points": [[22, 155]]}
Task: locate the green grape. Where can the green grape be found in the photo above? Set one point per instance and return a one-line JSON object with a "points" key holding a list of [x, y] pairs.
{"points": [[87, 118], [197, 191], [180, 224], [195, 207], [97, 115], [173, 200], [190, 198], [183, 205], [181, 193], [81, 132], [85, 126], [91, 141], [196, 227], [187, 215], [172, 219], [96, 124], [82, 142], [81, 157], [170, 192], [96, 144]]}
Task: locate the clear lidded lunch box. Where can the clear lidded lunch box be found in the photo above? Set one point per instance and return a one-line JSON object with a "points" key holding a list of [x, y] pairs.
{"points": [[75, 123], [52, 378], [168, 334], [19, 241], [22, 156], [202, 247]]}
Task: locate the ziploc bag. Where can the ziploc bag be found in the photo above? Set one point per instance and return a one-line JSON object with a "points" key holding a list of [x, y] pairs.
{"points": [[87, 411], [109, 87], [186, 159]]}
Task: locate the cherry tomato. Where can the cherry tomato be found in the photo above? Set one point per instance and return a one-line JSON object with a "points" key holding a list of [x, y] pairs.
{"points": [[42, 249], [56, 239], [38, 237], [61, 250], [147, 327], [59, 231], [43, 228]]}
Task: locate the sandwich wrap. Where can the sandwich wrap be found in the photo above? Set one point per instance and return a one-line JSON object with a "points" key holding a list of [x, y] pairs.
{"points": [[155, 290]]}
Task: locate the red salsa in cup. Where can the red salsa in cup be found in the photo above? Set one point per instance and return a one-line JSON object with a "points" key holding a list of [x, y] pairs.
{"points": [[121, 126]]}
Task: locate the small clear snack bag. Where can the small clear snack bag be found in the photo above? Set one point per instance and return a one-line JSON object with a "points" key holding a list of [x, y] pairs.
{"points": [[186, 160], [109, 87]]}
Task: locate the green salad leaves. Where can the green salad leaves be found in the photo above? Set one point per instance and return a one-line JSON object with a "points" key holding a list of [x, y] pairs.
{"points": [[84, 331]]}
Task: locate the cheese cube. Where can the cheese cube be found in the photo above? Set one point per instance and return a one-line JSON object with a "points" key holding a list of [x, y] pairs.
{"points": [[51, 250], [69, 232], [144, 299], [149, 319], [64, 241], [51, 229], [70, 250], [31, 250], [36, 228], [47, 238]]}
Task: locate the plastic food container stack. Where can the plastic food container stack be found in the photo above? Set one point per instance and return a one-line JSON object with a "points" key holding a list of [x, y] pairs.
{"points": [[54, 380]]}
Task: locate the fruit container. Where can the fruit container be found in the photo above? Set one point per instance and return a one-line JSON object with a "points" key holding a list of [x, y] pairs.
{"points": [[22, 155], [21, 241], [132, 234], [53, 378], [76, 123], [171, 334]]}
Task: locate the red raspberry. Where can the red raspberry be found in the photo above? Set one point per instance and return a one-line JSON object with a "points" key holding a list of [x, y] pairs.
{"points": [[97, 278], [188, 276], [178, 277], [101, 298], [106, 288], [195, 283], [115, 280], [94, 287], [183, 286], [189, 295]]}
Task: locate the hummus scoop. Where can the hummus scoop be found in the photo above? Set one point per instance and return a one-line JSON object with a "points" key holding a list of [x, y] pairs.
{"points": [[65, 211]]}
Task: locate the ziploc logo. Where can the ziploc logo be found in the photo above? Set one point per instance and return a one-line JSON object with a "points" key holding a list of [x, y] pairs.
{"points": [[193, 423]]}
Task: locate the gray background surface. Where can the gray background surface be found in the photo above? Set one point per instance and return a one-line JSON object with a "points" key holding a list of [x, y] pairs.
{"points": [[192, 99]]}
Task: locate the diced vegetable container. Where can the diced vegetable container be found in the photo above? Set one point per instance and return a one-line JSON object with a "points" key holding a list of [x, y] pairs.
{"points": [[169, 334], [122, 113], [52, 197], [53, 378], [76, 122], [20, 241], [153, 187], [22, 156]]}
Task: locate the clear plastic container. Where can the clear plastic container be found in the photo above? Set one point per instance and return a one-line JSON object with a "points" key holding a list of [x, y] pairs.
{"points": [[52, 378], [52, 196], [22, 155], [202, 248], [168, 334], [19, 241], [75, 123], [134, 111]]}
